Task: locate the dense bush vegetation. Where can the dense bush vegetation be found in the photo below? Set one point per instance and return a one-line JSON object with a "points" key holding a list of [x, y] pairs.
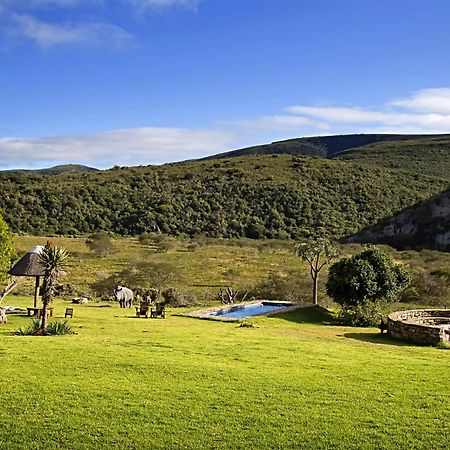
{"points": [[6, 249], [364, 284], [430, 157], [255, 196]]}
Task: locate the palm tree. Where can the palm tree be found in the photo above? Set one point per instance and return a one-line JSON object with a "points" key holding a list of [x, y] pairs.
{"points": [[54, 260]]}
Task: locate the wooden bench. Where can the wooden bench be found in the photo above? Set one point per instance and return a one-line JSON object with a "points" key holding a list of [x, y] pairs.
{"points": [[39, 311]]}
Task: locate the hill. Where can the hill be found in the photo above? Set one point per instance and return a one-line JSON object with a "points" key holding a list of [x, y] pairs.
{"points": [[324, 146], [425, 225], [55, 170], [419, 156], [253, 196]]}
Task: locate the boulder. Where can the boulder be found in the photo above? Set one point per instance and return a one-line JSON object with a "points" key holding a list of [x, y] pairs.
{"points": [[80, 300]]}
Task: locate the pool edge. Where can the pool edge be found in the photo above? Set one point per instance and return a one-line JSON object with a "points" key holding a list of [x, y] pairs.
{"points": [[204, 314]]}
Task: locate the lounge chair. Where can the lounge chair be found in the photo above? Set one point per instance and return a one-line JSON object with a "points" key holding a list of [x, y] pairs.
{"points": [[142, 309], [158, 311]]}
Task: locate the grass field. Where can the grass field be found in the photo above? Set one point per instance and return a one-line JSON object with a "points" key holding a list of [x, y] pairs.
{"points": [[241, 263], [297, 381]]}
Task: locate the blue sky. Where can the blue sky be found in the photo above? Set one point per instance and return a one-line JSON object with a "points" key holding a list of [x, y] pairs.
{"points": [[106, 82]]}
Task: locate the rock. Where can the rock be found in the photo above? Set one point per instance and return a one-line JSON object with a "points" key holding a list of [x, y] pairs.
{"points": [[80, 300]]}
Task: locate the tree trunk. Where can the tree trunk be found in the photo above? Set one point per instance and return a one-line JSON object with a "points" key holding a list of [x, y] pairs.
{"points": [[315, 289], [36, 293], [3, 318], [44, 317], [12, 283]]}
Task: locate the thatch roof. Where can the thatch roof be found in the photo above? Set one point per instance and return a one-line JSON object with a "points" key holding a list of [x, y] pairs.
{"points": [[29, 265]]}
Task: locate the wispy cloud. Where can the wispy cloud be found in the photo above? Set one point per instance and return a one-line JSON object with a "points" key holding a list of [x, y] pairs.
{"points": [[122, 147], [139, 4], [19, 19], [435, 100], [96, 34], [145, 4], [424, 111]]}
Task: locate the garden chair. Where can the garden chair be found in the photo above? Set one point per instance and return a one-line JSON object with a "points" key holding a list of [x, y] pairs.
{"points": [[69, 313], [159, 311], [383, 326], [142, 309]]}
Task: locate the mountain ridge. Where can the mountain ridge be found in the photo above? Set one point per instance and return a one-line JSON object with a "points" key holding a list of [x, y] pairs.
{"points": [[324, 146], [60, 169]]}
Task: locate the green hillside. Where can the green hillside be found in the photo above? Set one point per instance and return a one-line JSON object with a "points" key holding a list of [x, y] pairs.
{"points": [[55, 170], [325, 146], [425, 225], [255, 196], [431, 157]]}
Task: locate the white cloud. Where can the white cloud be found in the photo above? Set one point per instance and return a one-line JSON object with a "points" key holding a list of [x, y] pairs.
{"points": [[122, 147], [95, 34], [144, 4], [139, 4], [424, 111], [436, 100], [280, 122], [18, 19]]}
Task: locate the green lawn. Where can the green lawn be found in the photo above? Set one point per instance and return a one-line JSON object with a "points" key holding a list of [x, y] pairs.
{"points": [[296, 381]]}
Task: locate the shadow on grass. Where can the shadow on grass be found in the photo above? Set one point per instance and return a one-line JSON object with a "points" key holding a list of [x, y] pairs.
{"points": [[315, 314], [375, 338]]}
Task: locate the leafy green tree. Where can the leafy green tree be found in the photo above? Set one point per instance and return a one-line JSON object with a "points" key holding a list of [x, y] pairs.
{"points": [[318, 253], [6, 249], [363, 281], [54, 260]]}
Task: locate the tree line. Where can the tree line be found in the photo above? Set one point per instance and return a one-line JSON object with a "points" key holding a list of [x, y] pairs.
{"points": [[278, 196]]}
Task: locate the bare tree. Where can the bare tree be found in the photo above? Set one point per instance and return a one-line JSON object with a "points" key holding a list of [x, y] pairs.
{"points": [[318, 253], [10, 285]]}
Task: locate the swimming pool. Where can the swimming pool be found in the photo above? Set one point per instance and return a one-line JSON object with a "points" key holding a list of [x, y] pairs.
{"points": [[253, 309]]}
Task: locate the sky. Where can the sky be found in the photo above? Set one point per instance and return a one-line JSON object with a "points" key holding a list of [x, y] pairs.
{"points": [[137, 82]]}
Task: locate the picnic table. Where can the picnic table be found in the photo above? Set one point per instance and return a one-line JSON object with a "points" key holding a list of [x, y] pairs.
{"points": [[39, 311]]}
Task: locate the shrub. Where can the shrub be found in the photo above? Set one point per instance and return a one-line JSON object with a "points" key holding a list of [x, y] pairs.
{"points": [[149, 238], [100, 243], [364, 315], [192, 246], [32, 329], [443, 346], [177, 299], [282, 286], [430, 287], [59, 328], [364, 284], [55, 328], [6, 249]]}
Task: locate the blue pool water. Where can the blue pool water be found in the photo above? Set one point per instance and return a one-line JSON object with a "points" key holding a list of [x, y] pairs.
{"points": [[254, 309]]}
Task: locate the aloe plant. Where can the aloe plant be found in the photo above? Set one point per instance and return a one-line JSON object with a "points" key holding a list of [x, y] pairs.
{"points": [[54, 259]]}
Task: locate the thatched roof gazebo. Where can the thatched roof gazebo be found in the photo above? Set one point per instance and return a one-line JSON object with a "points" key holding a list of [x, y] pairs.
{"points": [[30, 265]]}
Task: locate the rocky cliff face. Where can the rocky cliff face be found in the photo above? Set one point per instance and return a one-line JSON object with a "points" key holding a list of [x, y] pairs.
{"points": [[425, 225]]}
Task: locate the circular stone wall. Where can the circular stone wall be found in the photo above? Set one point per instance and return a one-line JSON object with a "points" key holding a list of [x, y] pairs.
{"points": [[421, 326]]}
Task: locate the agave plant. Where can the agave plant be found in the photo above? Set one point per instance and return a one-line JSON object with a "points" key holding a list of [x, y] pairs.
{"points": [[54, 259]]}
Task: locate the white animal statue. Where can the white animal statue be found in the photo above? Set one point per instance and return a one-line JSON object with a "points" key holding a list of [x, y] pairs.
{"points": [[124, 296]]}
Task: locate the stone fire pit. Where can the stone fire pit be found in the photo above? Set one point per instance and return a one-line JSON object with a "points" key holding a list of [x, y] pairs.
{"points": [[421, 326]]}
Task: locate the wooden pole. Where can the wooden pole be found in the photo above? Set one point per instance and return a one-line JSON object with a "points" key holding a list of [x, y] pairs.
{"points": [[36, 293]]}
